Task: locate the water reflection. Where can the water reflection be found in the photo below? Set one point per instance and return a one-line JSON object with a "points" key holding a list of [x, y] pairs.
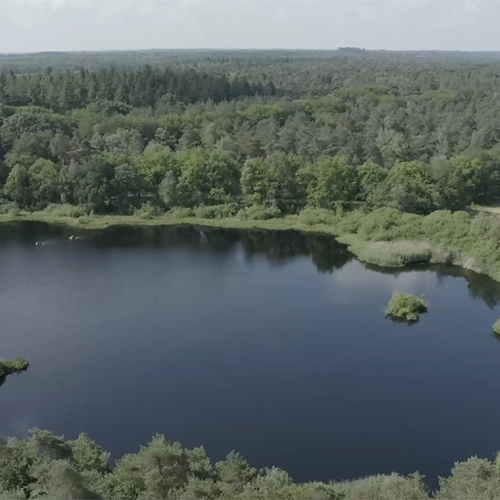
{"points": [[283, 247], [242, 352], [480, 287], [279, 247]]}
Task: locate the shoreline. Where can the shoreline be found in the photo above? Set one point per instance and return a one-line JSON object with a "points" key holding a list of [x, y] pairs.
{"points": [[388, 254], [99, 222]]}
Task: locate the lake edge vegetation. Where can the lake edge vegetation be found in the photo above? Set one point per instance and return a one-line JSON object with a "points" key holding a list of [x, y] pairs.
{"points": [[383, 237], [44, 464], [386, 151]]}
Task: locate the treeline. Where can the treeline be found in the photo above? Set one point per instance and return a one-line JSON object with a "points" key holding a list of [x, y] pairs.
{"points": [[46, 465], [421, 137], [141, 87], [295, 72], [110, 162]]}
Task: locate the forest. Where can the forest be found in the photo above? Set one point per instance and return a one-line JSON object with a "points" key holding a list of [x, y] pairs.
{"points": [[258, 136], [380, 148], [44, 465], [345, 131]]}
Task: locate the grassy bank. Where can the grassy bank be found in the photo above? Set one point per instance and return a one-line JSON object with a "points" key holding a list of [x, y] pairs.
{"points": [[384, 237]]}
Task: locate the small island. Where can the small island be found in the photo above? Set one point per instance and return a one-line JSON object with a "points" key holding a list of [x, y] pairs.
{"points": [[496, 327], [16, 366], [406, 307]]}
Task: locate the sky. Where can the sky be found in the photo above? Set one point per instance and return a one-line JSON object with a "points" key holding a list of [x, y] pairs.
{"points": [[76, 25]]}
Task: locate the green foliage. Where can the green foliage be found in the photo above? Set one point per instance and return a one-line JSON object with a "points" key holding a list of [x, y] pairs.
{"points": [[259, 212], [45, 465], [250, 130], [406, 307], [180, 213], [313, 216], [9, 207], [395, 254], [66, 210], [409, 188], [16, 366], [147, 211], [390, 487], [496, 327], [371, 176], [17, 186], [274, 181], [475, 478], [89, 456], [44, 182], [216, 211], [336, 183]]}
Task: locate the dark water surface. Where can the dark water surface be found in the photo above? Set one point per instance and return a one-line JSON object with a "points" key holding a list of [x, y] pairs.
{"points": [[274, 344]]}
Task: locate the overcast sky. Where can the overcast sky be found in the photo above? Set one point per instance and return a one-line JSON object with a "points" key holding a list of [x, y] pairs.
{"points": [[46, 25]]}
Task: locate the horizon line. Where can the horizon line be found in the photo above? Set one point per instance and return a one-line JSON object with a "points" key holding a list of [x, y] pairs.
{"points": [[216, 49]]}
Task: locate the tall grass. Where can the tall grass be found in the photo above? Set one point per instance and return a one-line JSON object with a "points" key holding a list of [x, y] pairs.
{"points": [[384, 237], [393, 253]]}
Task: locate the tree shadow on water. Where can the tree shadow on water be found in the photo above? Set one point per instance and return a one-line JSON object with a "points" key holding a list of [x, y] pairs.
{"points": [[282, 247], [479, 286]]}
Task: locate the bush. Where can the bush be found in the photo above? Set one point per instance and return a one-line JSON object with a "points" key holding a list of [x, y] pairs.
{"points": [[259, 212], [10, 208], [83, 220], [147, 211], [216, 211], [16, 366], [383, 487], [181, 212], [313, 216], [406, 307], [496, 327], [67, 210], [14, 211], [476, 478]]}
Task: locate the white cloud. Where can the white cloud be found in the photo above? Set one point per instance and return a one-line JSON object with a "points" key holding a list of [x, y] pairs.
{"points": [[36, 25]]}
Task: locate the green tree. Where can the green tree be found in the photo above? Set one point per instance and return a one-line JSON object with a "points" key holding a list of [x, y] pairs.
{"points": [[44, 182], [17, 186], [89, 456], [205, 179], [153, 166], [126, 187], [371, 177], [336, 183], [410, 188]]}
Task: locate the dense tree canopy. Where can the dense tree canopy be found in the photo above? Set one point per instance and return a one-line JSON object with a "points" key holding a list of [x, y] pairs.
{"points": [[408, 140], [46, 465], [276, 130]]}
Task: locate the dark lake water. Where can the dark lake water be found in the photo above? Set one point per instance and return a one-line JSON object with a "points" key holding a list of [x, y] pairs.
{"points": [[274, 344]]}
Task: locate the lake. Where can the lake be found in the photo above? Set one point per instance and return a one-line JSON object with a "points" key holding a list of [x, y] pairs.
{"points": [[271, 343]]}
